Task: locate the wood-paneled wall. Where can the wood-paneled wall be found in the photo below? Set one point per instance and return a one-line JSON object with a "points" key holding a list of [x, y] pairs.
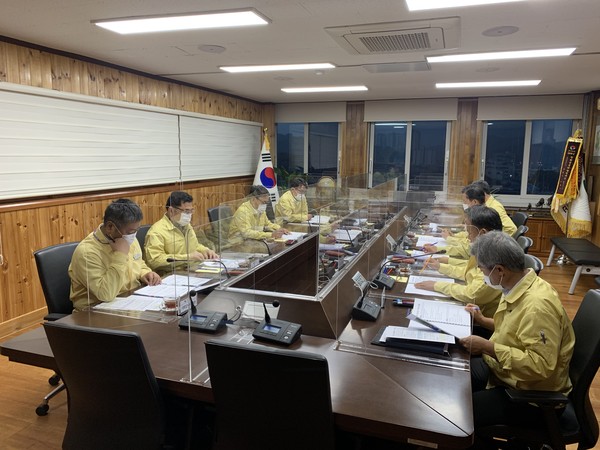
{"points": [[465, 144], [26, 226], [355, 153]]}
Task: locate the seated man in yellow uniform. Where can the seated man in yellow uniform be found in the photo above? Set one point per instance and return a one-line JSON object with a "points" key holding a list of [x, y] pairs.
{"points": [[508, 226], [532, 341], [173, 237], [479, 221], [109, 262], [250, 225], [292, 206]]}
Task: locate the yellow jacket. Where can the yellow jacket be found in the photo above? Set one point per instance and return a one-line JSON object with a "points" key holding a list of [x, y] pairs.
{"points": [[95, 265], [473, 291], [508, 226], [533, 339], [289, 209], [247, 223], [458, 247], [166, 240]]}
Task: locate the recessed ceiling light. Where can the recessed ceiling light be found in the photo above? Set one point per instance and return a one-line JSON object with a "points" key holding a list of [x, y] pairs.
{"points": [[277, 67], [419, 5], [325, 89], [190, 21], [485, 84], [503, 30], [502, 55]]}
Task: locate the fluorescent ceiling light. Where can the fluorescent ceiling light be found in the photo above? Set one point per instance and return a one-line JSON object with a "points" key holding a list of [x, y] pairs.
{"points": [[276, 67], [419, 5], [502, 55], [489, 84], [390, 124], [325, 89], [191, 21]]}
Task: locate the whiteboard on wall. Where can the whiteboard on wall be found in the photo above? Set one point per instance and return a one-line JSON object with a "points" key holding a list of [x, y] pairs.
{"points": [[55, 143]]}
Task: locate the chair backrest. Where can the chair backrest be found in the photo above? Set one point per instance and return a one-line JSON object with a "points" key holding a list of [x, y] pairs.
{"points": [[141, 235], [220, 212], [519, 218], [114, 399], [521, 230], [53, 269], [288, 391], [525, 242], [533, 262], [584, 365]]}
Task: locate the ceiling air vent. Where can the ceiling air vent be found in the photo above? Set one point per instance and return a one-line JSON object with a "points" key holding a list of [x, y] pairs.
{"points": [[398, 37]]}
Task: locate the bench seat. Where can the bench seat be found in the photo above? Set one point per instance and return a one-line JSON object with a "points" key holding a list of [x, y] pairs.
{"points": [[583, 253]]}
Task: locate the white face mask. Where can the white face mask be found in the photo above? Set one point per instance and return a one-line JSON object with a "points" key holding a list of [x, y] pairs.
{"points": [[299, 197], [486, 279], [465, 206], [261, 208], [185, 219], [129, 238]]}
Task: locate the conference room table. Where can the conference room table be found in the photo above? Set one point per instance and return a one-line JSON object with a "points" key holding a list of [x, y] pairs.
{"points": [[375, 391]]}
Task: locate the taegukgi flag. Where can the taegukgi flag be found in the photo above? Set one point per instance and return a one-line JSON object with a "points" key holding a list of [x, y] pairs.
{"points": [[265, 175]]}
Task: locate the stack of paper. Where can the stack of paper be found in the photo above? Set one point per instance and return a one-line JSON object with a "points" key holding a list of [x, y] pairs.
{"points": [[319, 219], [412, 289], [449, 318]]}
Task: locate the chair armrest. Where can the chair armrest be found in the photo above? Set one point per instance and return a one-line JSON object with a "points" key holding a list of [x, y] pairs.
{"points": [[54, 316], [541, 398]]}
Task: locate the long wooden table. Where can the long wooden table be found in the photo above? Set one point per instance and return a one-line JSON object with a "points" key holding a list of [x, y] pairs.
{"points": [[371, 395]]}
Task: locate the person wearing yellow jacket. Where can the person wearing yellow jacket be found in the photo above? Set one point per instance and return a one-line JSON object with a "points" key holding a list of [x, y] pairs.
{"points": [[109, 262], [532, 341], [250, 221], [292, 205], [173, 237], [479, 220], [508, 226]]}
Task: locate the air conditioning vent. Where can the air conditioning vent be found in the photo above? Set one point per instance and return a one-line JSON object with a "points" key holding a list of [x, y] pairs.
{"points": [[398, 37]]}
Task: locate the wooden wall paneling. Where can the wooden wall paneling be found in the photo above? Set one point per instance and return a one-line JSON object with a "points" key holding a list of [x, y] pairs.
{"points": [[463, 164], [3, 62], [354, 159]]}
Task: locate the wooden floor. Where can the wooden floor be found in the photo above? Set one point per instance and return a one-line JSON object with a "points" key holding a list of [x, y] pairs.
{"points": [[22, 387]]}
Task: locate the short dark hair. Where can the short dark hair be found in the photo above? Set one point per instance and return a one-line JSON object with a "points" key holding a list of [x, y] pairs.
{"points": [[484, 218], [257, 190], [296, 182], [474, 193], [483, 185], [123, 212], [177, 198]]}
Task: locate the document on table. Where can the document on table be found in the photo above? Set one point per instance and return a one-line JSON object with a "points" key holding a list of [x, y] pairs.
{"points": [[164, 290], [411, 289], [431, 240], [256, 310], [325, 247], [184, 280], [418, 254], [131, 303], [229, 263], [292, 236], [451, 318], [345, 235], [416, 334], [319, 219]]}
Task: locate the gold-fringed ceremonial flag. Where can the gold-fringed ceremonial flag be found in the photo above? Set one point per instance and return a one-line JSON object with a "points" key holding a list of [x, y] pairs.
{"points": [[265, 174], [570, 207]]}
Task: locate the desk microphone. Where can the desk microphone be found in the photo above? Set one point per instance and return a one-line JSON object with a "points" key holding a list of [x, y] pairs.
{"points": [[267, 316], [174, 260]]}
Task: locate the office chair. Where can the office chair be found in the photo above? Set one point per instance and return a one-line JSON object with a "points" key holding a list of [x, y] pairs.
{"points": [[114, 398], [52, 266], [220, 219], [519, 218], [141, 235], [269, 398], [525, 242], [219, 213], [578, 423], [521, 230], [534, 263]]}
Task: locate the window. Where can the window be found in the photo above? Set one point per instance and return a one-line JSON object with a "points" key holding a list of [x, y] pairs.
{"points": [[308, 148], [523, 157], [424, 164]]}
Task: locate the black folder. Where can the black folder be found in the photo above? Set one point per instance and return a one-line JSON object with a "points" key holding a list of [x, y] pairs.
{"points": [[412, 345]]}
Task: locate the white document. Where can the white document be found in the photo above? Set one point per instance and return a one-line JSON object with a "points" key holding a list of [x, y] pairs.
{"points": [[319, 219], [164, 290], [183, 280], [325, 247], [346, 235], [411, 289], [423, 256], [229, 263], [431, 240], [451, 318], [293, 236], [415, 334], [256, 311], [131, 303]]}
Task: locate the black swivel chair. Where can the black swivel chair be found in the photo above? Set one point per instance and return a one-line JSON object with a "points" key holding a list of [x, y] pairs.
{"points": [[220, 218], [141, 235], [525, 242], [52, 266], [534, 263], [114, 398], [519, 218], [521, 230], [268, 399], [578, 423]]}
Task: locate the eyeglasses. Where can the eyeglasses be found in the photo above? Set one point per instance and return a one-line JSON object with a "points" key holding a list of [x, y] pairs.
{"points": [[187, 211]]}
